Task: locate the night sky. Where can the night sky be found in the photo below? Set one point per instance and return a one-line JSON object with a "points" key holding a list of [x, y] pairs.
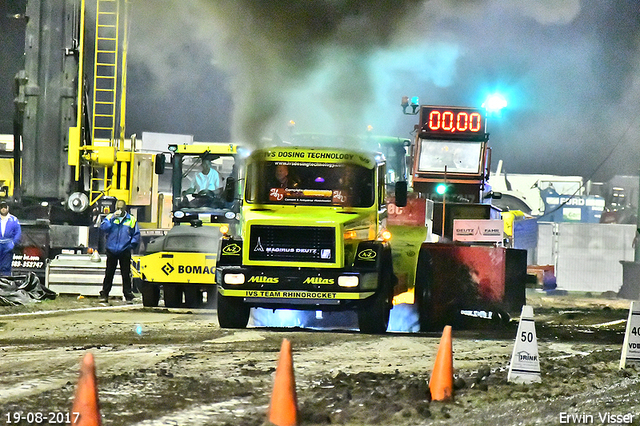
{"points": [[240, 70]]}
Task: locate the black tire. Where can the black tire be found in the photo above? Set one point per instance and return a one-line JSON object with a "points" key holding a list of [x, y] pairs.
{"points": [[150, 293], [374, 318], [192, 296], [172, 295], [509, 202], [232, 312]]}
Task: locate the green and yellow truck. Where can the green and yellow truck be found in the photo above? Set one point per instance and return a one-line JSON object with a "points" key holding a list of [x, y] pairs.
{"points": [[313, 237]]}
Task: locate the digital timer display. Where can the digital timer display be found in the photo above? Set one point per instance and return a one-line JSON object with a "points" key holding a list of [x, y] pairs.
{"points": [[452, 121]]}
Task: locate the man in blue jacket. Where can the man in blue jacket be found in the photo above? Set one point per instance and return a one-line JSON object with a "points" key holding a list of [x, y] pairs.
{"points": [[123, 235], [10, 232]]}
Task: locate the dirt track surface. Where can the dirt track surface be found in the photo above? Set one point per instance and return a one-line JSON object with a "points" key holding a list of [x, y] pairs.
{"points": [[177, 367]]}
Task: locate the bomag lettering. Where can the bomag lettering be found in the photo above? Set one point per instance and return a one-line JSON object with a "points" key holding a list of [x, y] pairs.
{"points": [[318, 280], [263, 279], [197, 269]]}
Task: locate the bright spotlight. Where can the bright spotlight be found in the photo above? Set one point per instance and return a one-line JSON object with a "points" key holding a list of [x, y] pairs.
{"points": [[495, 103]]}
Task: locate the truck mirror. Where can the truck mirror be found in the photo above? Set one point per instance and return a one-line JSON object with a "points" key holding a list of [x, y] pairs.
{"points": [[401, 193], [160, 163], [230, 189]]}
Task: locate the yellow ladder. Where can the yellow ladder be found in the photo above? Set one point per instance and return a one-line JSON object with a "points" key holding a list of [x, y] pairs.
{"points": [[105, 70], [105, 83]]}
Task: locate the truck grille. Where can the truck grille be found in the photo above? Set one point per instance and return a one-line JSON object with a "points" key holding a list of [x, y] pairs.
{"points": [[292, 243]]}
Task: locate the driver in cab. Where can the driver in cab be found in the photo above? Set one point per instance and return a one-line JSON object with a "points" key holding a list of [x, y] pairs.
{"points": [[207, 180], [284, 179]]}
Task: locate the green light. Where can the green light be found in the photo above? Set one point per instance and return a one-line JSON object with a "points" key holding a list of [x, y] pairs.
{"points": [[441, 188]]}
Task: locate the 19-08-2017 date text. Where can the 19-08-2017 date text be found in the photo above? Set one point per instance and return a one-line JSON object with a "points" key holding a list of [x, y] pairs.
{"points": [[41, 417]]}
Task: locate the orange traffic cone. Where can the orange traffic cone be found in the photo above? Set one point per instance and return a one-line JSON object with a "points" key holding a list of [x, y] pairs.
{"points": [[441, 382], [85, 411], [283, 410]]}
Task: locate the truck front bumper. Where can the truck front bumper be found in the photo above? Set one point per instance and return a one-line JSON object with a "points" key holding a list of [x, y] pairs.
{"points": [[298, 288]]}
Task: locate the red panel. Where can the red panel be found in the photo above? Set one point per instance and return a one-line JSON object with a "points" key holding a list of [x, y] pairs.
{"points": [[413, 214], [465, 275], [486, 267]]}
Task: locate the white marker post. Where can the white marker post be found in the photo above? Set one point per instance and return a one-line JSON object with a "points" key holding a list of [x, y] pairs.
{"points": [[525, 362], [631, 345]]}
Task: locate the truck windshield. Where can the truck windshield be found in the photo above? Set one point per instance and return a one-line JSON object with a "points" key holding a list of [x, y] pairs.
{"points": [[203, 180], [458, 157], [337, 184]]}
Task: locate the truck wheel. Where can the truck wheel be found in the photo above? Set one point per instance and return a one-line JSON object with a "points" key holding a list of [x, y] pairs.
{"points": [[150, 293], [192, 297], [374, 319], [232, 312], [172, 295]]}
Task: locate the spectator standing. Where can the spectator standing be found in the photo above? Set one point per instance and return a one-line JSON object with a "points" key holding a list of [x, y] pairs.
{"points": [[123, 236], [10, 232]]}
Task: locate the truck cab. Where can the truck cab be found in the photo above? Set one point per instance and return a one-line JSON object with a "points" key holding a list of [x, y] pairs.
{"points": [[312, 237]]}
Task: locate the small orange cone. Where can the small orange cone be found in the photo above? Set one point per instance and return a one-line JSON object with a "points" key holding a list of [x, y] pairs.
{"points": [[441, 382], [283, 410], [86, 411]]}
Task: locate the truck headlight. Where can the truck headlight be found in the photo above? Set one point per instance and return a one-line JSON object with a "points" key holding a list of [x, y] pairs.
{"points": [[234, 278], [348, 280], [178, 214]]}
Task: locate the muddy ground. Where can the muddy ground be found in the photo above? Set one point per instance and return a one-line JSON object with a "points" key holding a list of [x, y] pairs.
{"points": [[177, 367]]}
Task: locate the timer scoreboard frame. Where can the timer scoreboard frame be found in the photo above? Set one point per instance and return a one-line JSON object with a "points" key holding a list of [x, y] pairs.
{"points": [[459, 123]]}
